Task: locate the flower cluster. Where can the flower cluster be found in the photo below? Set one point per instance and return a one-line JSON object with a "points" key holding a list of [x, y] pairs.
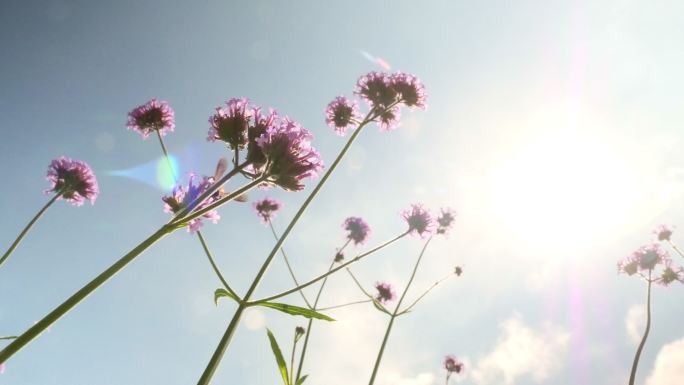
{"points": [[358, 230], [452, 364], [342, 114], [445, 220], [663, 232], [385, 292], [73, 180], [155, 115], [419, 220], [231, 123], [266, 208], [185, 196], [644, 262]]}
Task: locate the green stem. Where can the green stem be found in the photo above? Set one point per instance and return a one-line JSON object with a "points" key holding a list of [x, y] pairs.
{"points": [[635, 363], [292, 356], [214, 266], [8, 337], [289, 267], [67, 305], [223, 344], [425, 293], [345, 304], [27, 228], [675, 248], [395, 314], [166, 156]]}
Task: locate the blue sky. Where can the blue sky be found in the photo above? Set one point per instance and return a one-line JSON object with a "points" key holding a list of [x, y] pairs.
{"points": [[553, 129]]}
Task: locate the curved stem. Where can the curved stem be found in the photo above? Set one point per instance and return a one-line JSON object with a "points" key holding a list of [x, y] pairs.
{"points": [[635, 363], [27, 228], [214, 266], [223, 344], [395, 313], [72, 301], [287, 263]]}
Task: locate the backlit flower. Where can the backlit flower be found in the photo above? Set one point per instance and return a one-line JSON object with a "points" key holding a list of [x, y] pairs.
{"points": [[184, 196], [73, 180], [409, 88], [385, 292], [644, 259], [452, 364], [419, 220], [230, 123], [155, 115], [376, 88], [358, 230], [341, 114], [445, 220], [663, 232], [669, 275], [267, 208]]}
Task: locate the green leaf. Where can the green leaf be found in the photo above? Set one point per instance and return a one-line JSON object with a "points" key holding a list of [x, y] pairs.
{"points": [[279, 357], [221, 292], [295, 310], [301, 380]]}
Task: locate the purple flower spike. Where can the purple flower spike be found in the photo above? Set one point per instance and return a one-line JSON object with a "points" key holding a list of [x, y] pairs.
{"points": [[358, 230], [385, 292], [73, 180], [663, 232], [290, 157], [183, 196], [155, 115], [419, 220], [230, 123], [452, 364], [267, 208], [445, 220], [341, 114], [409, 88]]}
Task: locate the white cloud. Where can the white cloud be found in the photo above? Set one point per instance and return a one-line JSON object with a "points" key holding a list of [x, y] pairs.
{"points": [[397, 379], [669, 365], [522, 351], [635, 323]]}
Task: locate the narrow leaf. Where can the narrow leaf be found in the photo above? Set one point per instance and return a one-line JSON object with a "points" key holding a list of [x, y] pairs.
{"points": [[280, 360], [301, 380], [296, 310], [223, 293]]}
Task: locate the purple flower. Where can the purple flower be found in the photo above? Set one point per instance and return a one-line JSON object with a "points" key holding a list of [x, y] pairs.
{"points": [[385, 292], [670, 275], [452, 364], [643, 259], [445, 220], [289, 155], [266, 208], [358, 230], [341, 114], [230, 123], [663, 232], [409, 88], [183, 196], [262, 124], [73, 180], [389, 119], [419, 220], [152, 116], [376, 89]]}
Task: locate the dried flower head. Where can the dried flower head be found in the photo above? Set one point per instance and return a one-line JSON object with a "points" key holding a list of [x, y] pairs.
{"points": [[409, 88], [452, 364], [358, 230], [419, 220], [342, 114], [290, 156], [458, 270], [339, 256], [73, 180], [155, 115], [445, 220], [299, 332], [385, 292], [184, 196], [267, 208], [230, 123], [663, 232]]}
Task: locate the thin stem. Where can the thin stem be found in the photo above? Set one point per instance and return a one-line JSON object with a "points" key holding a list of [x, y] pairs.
{"points": [[676, 248], [8, 337], [294, 347], [166, 156], [67, 305], [289, 267], [635, 363], [223, 344], [425, 293], [395, 313], [330, 272], [375, 301], [27, 228], [345, 304], [214, 266]]}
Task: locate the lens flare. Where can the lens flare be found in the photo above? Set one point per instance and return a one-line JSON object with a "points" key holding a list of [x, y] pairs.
{"points": [[376, 60], [159, 173]]}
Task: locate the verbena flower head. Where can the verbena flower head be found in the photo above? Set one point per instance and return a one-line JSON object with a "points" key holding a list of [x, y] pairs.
{"points": [[299, 332], [341, 114], [290, 156], [155, 115], [663, 232], [385, 292], [230, 123], [669, 275], [445, 220], [358, 230], [452, 364], [644, 259], [183, 196], [419, 220], [261, 124], [73, 180], [376, 89], [409, 89], [267, 208]]}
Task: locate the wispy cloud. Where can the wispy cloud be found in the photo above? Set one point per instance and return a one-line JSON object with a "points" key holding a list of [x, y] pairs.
{"points": [[635, 323]]}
